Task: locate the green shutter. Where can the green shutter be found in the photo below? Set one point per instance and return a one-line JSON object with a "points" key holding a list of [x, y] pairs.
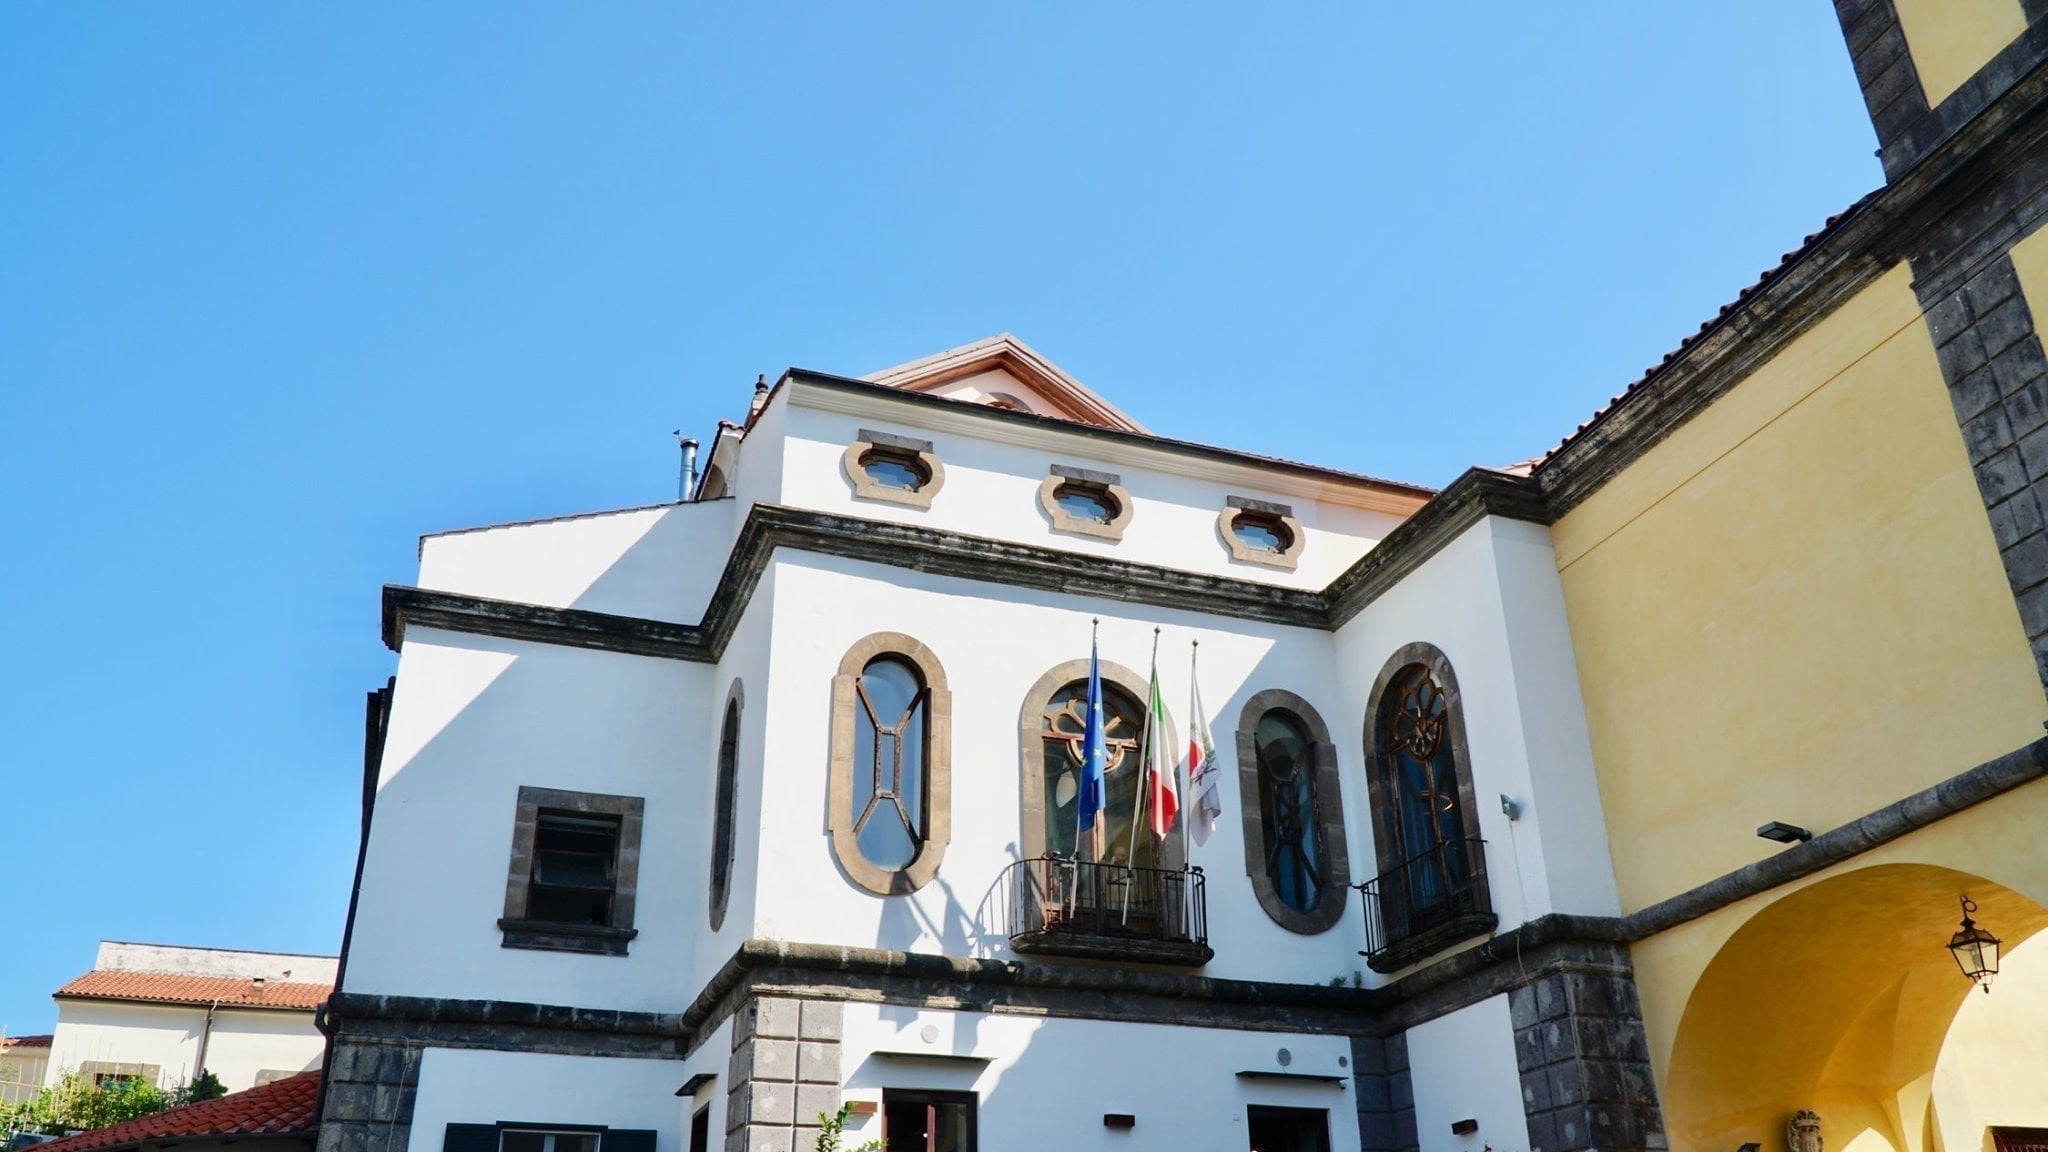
{"points": [[471, 1138], [627, 1140]]}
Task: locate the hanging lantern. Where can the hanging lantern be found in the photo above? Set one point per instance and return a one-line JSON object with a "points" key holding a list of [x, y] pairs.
{"points": [[1975, 950]]}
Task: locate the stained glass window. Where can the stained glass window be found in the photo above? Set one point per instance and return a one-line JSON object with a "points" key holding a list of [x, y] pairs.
{"points": [[1287, 810]]}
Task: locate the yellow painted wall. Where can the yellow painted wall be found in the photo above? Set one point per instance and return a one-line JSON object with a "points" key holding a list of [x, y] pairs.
{"points": [[1792, 608], [1845, 1004], [2030, 260], [1951, 39]]}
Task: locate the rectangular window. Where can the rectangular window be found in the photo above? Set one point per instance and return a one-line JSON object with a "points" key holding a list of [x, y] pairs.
{"points": [[928, 1121], [1287, 1129], [111, 1075], [575, 874], [539, 1140], [700, 1130]]}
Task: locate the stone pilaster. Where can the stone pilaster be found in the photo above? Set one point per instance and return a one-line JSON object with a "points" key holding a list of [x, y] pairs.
{"points": [[1585, 1064], [1385, 1095], [370, 1086], [1997, 375], [784, 1072]]}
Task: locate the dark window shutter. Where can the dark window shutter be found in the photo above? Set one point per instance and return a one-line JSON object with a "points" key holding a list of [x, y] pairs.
{"points": [[472, 1138], [627, 1140]]}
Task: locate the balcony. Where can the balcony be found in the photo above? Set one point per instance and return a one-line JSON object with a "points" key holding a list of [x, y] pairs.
{"points": [[1065, 907], [1425, 904]]}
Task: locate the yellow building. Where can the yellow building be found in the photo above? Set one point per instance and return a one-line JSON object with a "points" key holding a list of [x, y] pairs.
{"points": [[1804, 569]]}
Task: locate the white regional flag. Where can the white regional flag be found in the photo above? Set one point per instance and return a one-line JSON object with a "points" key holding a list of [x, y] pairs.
{"points": [[1202, 771]]}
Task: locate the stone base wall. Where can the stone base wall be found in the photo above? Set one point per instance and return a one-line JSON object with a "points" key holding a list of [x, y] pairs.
{"points": [[1386, 1094], [370, 1086], [1585, 1064], [784, 1072]]}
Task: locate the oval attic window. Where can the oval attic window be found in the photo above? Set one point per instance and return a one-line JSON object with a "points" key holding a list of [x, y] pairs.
{"points": [[1085, 502], [1261, 533], [892, 468]]}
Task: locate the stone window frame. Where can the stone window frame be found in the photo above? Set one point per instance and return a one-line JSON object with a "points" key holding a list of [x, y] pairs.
{"points": [[1380, 799], [1111, 486], [938, 783], [1172, 855], [725, 799], [550, 936], [1226, 523], [1329, 814], [867, 440]]}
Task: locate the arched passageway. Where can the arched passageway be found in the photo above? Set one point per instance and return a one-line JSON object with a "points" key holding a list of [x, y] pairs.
{"points": [[1839, 998]]}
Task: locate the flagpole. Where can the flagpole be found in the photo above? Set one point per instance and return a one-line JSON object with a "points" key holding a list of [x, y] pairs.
{"points": [[1188, 798], [1144, 782], [1188, 793]]}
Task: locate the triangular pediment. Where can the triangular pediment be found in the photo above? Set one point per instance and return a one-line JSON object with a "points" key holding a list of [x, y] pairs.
{"points": [[1004, 372]]}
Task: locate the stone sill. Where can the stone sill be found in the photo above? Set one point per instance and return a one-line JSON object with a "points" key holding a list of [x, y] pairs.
{"points": [[1421, 946], [1179, 953], [548, 936]]}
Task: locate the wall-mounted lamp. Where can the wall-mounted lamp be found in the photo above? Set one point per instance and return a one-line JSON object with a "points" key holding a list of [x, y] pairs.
{"points": [[1509, 808], [1119, 1120], [1784, 833], [1975, 950], [1464, 1127]]}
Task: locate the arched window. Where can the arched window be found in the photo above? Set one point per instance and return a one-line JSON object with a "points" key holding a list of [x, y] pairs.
{"points": [[1288, 786], [1050, 728], [725, 800], [891, 791], [1432, 883]]}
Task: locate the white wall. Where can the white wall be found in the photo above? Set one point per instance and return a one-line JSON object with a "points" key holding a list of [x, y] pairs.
{"points": [[297, 967], [1488, 601], [660, 562], [119, 1033], [1462, 1066], [245, 1043], [466, 1086], [475, 718], [992, 651], [1055, 1078], [991, 489], [746, 661]]}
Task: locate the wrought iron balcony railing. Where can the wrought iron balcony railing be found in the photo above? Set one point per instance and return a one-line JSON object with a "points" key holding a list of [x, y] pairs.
{"points": [[1425, 903], [1065, 907]]}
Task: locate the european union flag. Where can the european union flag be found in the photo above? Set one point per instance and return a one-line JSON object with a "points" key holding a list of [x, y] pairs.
{"points": [[1094, 759]]}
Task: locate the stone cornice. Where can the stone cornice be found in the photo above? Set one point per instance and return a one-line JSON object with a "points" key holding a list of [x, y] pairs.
{"points": [[1479, 493], [910, 546]]}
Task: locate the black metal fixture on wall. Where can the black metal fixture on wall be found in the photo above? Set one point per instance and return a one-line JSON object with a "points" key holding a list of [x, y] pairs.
{"points": [[1975, 950]]}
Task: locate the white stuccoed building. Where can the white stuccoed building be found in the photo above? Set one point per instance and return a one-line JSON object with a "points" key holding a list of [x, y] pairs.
{"points": [[163, 1013], [687, 823]]}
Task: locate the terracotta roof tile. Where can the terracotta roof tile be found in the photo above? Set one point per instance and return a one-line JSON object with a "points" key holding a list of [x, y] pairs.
{"points": [[170, 988], [1729, 309], [25, 1041], [279, 1108]]}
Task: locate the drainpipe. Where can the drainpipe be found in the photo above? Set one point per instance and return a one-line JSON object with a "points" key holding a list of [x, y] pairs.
{"points": [[205, 1034]]}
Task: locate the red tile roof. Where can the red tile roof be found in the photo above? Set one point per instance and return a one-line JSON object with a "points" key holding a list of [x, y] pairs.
{"points": [[279, 1108], [170, 988], [1805, 249], [24, 1041]]}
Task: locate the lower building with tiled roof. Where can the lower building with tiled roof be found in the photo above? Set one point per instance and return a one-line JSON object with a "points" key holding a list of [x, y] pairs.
{"points": [[165, 1013], [281, 1115]]}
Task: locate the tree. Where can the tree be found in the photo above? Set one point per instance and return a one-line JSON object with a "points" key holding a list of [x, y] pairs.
{"points": [[76, 1102], [205, 1086]]}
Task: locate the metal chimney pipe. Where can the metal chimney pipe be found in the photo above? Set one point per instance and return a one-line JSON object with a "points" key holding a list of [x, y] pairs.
{"points": [[688, 480]]}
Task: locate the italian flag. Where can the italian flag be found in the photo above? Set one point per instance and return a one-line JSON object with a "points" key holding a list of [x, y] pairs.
{"points": [[1202, 772], [1159, 766]]}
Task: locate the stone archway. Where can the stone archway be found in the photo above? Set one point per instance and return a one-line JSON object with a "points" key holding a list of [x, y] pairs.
{"points": [[1837, 997]]}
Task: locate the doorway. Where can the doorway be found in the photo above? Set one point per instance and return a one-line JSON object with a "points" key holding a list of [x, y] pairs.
{"points": [[916, 1121], [1287, 1129]]}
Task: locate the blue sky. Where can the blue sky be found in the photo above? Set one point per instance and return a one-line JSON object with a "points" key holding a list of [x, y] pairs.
{"points": [[284, 286]]}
